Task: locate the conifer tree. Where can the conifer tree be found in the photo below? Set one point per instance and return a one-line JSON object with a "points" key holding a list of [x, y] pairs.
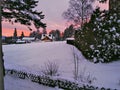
{"points": [[100, 38], [22, 35], [17, 11], [15, 34]]}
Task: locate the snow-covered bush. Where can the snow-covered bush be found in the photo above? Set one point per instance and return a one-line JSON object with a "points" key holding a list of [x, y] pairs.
{"points": [[48, 81], [99, 40], [50, 68]]}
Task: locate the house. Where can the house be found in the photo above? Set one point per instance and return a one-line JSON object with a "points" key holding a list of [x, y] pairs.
{"points": [[71, 40], [47, 37], [19, 41], [28, 39]]}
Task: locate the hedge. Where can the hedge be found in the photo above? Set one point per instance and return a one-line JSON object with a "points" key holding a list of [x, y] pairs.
{"points": [[51, 82]]}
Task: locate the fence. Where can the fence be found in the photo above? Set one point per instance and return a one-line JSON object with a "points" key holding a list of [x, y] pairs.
{"points": [[52, 82]]}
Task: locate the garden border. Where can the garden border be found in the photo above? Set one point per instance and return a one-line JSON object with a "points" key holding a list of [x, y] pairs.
{"points": [[51, 82]]}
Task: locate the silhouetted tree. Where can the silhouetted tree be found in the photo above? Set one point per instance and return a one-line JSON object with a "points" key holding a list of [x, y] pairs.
{"points": [[36, 34], [69, 32], [22, 35], [79, 11], [56, 33], [53, 32], [15, 34]]}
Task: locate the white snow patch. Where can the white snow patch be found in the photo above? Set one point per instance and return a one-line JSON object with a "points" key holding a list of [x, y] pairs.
{"points": [[30, 58], [12, 83]]}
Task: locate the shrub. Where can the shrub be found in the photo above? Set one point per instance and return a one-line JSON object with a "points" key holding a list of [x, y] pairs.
{"points": [[50, 68]]}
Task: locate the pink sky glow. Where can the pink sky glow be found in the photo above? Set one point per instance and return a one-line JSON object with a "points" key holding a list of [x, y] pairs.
{"points": [[53, 17]]}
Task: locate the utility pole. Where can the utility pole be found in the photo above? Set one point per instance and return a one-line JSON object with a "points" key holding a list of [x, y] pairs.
{"points": [[1, 54]]}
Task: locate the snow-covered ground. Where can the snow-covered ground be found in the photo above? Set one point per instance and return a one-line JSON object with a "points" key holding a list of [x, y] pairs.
{"points": [[12, 83], [31, 58]]}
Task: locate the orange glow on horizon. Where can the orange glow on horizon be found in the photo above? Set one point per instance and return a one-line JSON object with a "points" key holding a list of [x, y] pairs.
{"points": [[8, 29], [9, 32]]}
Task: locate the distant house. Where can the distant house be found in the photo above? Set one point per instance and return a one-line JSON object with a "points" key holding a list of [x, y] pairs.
{"points": [[28, 39], [19, 41], [25, 40], [71, 40], [47, 37]]}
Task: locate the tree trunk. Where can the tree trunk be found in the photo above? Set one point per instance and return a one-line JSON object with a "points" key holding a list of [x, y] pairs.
{"points": [[1, 54]]}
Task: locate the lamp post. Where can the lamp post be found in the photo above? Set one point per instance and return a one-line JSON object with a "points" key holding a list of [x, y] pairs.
{"points": [[1, 55]]}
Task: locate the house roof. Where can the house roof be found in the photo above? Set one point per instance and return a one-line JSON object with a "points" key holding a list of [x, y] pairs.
{"points": [[28, 38], [49, 36]]}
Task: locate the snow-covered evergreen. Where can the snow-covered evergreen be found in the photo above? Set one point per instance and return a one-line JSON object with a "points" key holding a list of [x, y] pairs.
{"points": [[104, 29]]}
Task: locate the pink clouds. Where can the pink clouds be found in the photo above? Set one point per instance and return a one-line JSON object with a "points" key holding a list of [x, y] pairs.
{"points": [[53, 10], [9, 32], [8, 29], [56, 25]]}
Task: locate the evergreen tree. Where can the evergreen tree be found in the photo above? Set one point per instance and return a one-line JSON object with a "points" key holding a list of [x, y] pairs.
{"points": [[100, 38], [15, 34], [36, 34], [68, 32], [22, 35], [57, 35], [32, 34], [53, 32], [21, 11]]}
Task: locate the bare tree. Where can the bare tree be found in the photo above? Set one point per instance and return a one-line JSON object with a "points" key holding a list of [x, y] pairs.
{"points": [[50, 68], [79, 11], [76, 65]]}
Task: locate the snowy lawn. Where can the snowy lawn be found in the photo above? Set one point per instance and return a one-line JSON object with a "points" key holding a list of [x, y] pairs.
{"points": [[12, 83], [31, 58]]}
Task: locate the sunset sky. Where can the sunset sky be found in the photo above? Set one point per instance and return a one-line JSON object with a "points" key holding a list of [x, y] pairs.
{"points": [[52, 9]]}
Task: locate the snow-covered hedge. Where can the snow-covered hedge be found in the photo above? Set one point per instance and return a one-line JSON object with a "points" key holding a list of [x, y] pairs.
{"points": [[52, 82]]}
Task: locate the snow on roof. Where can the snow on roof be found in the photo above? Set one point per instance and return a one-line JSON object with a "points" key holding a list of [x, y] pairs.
{"points": [[20, 41], [50, 36], [70, 38], [28, 38]]}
